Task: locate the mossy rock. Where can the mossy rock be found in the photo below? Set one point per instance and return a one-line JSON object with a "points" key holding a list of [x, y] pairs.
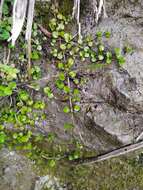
{"points": [[65, 6], [44, 14]]}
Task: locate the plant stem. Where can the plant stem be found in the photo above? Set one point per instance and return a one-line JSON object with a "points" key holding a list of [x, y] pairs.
{"points": [[29, 58]]}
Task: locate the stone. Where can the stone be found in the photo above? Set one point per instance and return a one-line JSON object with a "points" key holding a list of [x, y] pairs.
{"points": [[16, 171]]}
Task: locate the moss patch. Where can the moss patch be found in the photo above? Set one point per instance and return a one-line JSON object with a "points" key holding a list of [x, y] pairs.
{"points": [[66, 6]]}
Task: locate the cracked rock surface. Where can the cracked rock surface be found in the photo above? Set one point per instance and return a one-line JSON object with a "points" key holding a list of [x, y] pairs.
{"points": [[112, 99], [119, 92]]}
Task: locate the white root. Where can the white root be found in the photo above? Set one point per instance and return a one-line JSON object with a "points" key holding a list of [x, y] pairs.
{"points": [[29, 31], [19, 14], [99, 10], [76, 14], [74, 8], [1, 7], [30, 19]]}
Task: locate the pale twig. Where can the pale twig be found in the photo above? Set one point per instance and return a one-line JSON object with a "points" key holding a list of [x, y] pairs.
{"points": [[45, 31], [29, 32], [70, 99], [139, 137], [74, 8], [78, 18], [29, 58], [30, 19], [53, 158], [115, 153], [10, 101], [98, 10], [104, 10], [8, 56], [72, 111], [4, 57], [94, 5]]}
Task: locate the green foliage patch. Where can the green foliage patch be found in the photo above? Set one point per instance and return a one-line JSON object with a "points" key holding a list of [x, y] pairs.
{"points": [[22, 119]]}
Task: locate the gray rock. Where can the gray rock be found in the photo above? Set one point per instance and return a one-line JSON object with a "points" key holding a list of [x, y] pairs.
{"points": [[48, 182], [120, 91], [16, 172], [112, 100]]}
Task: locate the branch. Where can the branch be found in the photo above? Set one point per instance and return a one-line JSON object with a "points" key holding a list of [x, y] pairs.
{"points": [[45, 31], [115, 153]]}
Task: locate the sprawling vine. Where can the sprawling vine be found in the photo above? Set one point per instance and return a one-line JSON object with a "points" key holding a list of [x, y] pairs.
{"points": [[22, 117]]}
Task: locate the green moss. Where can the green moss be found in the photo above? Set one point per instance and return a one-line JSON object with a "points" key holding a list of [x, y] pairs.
{"points": [[66, 6], [44, 13], [116, 174], [122, 173]]}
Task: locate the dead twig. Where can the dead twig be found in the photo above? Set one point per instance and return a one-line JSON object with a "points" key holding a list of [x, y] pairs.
{"points": [[115, 153], [45, 31], [99, 10], [70, 99], [8, 56], [139, 137]]}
